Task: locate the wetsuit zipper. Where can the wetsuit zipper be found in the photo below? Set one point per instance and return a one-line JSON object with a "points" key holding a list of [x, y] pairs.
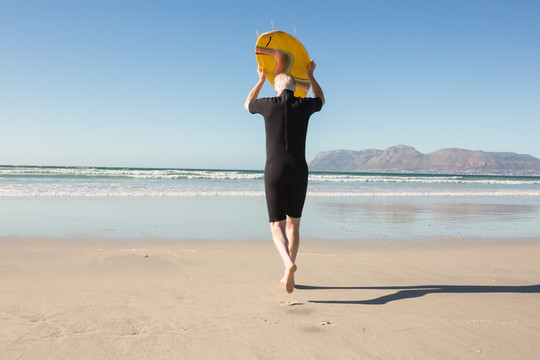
{"points": [[286, 129]]}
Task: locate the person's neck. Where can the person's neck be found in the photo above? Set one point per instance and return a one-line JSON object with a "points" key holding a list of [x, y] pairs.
{"points": [[284, 90]]}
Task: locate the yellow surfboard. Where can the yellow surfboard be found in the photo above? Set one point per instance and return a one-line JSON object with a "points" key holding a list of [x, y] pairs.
{"points": [[278, 52]]}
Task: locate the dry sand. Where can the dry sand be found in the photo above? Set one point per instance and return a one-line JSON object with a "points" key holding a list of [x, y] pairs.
{"points": [[186, 300]]}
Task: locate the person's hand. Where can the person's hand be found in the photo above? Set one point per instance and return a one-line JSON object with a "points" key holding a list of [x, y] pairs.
{"points": [[311, 67], [261, 73]]}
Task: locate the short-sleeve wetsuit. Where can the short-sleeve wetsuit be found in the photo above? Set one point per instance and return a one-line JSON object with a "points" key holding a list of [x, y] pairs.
{"points": [[286, 120]]}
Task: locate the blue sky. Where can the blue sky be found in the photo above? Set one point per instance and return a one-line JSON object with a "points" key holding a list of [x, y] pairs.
{"points": [[162, 84]]}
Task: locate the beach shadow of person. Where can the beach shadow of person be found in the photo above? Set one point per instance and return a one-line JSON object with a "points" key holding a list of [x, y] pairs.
{"points": [[409, 292]]}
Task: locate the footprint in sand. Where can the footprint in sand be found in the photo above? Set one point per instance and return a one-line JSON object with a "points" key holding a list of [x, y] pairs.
{"points": [[292, 303]]}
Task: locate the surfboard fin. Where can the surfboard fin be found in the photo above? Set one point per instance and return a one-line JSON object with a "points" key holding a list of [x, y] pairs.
{"points": [[272, 21], [295, 31], [256, 32]]}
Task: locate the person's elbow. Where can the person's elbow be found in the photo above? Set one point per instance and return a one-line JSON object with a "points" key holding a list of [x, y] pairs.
{"points": [[246, 104]]}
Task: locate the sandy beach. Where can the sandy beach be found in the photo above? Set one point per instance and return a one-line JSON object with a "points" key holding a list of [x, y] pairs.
{"points": [[149, 299]]}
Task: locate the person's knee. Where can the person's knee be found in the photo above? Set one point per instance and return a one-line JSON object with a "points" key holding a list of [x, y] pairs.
{"points": [[293, 224], [277, 225], [293, 220]]}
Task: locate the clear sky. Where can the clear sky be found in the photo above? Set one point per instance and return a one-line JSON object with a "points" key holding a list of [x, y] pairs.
{"points": [[163, 83]]}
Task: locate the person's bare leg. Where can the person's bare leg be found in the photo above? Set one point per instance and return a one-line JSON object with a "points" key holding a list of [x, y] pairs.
{"points": [[293, 236], [279, 236]]}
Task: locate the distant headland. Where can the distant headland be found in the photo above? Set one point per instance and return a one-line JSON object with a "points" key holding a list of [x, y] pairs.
{"points": [[406, 159]]}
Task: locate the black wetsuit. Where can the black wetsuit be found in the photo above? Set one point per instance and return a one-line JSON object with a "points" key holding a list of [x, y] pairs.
{"points": [[285, 174]]}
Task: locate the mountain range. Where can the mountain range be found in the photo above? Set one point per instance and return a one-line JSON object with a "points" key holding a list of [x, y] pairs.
{"points": [[406, 159]]}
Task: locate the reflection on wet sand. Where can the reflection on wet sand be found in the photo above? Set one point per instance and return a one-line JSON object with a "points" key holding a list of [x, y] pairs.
{"points": [[360, 211], [397, 212], [478, 212]]}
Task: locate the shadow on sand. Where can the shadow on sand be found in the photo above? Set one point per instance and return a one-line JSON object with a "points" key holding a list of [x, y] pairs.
{"points": [[409, 292]]}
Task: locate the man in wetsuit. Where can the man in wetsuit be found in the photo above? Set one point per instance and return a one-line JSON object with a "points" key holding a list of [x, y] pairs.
{"points": [[285, 174]]}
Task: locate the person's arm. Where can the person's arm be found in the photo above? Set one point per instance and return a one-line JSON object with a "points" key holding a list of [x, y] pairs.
{"points": [[254, 93], [315, 87]]}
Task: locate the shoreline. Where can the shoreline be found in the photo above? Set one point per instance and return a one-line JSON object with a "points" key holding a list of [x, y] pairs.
{"points": [[160, 299], [225, 218]]}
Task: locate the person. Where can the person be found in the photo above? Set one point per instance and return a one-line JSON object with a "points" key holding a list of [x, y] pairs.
{"points": [[286, 173]]}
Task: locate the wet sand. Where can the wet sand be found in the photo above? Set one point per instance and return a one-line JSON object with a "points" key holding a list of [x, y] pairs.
{"points": [[149, 299]]}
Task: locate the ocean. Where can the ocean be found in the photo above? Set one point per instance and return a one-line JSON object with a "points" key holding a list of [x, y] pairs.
{"points": [[85, 202]]}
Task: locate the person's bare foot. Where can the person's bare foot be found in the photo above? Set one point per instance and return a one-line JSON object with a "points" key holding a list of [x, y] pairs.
{"points": [[284, 280], [288, 278]]}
